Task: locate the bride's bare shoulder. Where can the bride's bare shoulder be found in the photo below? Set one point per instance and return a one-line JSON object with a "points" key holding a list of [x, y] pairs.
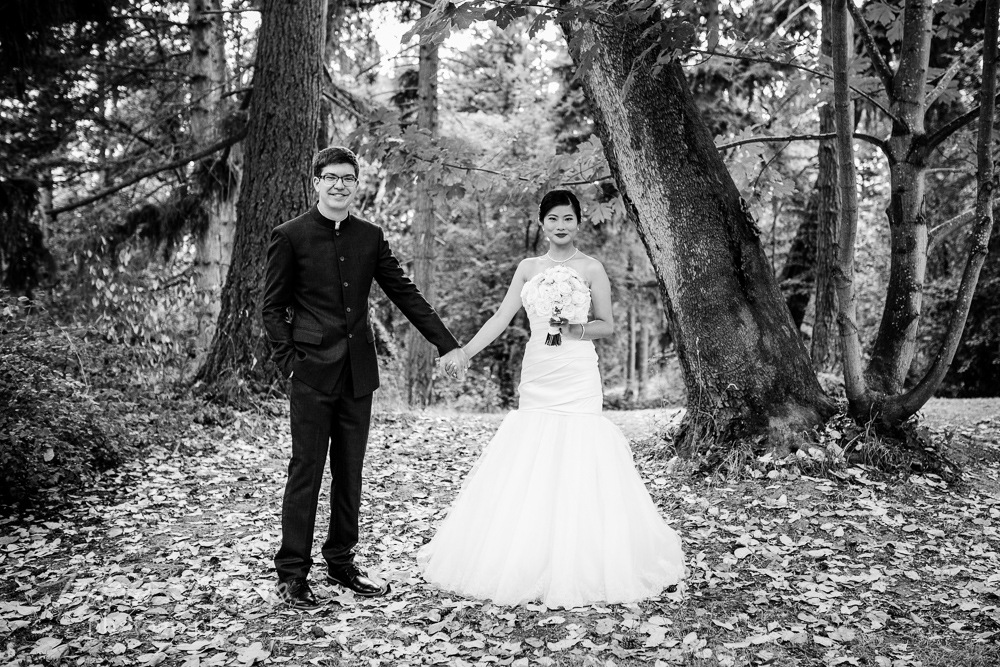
{"points": [[529, 266], [591, 266]]}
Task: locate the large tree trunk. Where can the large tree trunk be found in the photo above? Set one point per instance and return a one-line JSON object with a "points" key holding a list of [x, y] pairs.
{"points": [[276, 185], [218, 175], [420, 354], [22, 247], [896, 343], [824, 348], [745, 366]]}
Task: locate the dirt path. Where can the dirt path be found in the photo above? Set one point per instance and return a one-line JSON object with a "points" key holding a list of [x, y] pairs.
{"points": [[967, 413]]}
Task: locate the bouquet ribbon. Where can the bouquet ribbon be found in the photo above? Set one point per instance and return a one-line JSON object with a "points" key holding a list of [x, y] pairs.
{"points": [[554, 337]]}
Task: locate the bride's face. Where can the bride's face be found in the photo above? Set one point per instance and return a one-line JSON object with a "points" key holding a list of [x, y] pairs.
{"points": [[560, 225]]}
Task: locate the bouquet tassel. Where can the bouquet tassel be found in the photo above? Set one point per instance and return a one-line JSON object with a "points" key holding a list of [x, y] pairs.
{"points": [[554, 338]]}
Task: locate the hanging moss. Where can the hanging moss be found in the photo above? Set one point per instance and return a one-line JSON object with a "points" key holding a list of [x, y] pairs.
{"points": [[183, 215], [161, 227], [216, 178]]}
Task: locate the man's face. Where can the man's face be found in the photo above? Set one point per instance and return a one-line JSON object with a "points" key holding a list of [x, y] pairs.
{"points": [[336, 194]]}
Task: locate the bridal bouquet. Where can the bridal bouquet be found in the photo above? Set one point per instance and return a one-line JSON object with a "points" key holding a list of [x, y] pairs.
{"points": [[561, 294]]}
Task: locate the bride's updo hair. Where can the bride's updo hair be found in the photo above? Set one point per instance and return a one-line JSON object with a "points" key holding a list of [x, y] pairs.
{"points": [[555, 198]]}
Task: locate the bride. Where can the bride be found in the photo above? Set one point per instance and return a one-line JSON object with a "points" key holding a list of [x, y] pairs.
{"points": [[554, 510]]}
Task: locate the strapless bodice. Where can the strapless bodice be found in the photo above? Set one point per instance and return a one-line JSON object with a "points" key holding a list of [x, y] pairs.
{"points": [[558, 378], [557, 285]]}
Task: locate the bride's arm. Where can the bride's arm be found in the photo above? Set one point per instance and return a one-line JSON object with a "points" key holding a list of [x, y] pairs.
{"points": [[603, 324], [505, 313]]}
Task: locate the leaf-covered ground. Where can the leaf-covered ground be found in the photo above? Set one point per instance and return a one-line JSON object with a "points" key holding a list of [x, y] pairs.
{"points": [[169, 562]]}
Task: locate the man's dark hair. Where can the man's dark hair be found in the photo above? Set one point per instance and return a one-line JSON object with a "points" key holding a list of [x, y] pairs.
{"points": [[334, 155], [555, 198]]}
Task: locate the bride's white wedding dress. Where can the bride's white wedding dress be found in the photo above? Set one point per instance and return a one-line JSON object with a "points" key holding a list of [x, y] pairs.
{"points": [[554, 509]]}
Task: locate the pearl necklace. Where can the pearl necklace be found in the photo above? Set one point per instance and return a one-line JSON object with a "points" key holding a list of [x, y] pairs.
{"points": [[565, 260]]}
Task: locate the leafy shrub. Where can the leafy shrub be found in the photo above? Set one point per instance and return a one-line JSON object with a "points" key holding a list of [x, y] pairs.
{"points": [[54, 435], [51, 433]]}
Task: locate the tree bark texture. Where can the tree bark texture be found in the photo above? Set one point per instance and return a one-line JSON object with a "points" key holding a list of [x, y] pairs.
{"points": [[208, 69], [219, 174], [276, 184], [745, 367], [896, 342], [420, 354], [827, 198]]}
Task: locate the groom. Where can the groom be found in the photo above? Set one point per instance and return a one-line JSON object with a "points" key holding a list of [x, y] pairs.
{"points": [[320, 268]]}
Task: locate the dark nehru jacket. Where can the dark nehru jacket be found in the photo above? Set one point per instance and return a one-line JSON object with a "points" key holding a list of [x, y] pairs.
{"points": [[324, 276]]}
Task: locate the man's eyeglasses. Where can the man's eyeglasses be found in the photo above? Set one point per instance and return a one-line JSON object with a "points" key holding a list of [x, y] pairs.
{"points": [[348, 181]]}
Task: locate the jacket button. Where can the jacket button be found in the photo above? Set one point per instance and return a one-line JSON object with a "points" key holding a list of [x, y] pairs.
{"points": [[341, 259], [345, 284], [350, 335], [348, 310]]}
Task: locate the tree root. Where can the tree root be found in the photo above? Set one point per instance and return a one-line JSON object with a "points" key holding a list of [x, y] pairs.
{"points": [[713, 436], [242, 391], [827, 451], [909, 449]]}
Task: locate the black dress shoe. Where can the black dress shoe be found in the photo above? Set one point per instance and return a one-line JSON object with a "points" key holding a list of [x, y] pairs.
{"points": [[296, 593], [350, 576]]}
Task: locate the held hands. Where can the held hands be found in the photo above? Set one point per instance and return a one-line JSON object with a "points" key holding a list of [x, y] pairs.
{"points": [[455, 363]]}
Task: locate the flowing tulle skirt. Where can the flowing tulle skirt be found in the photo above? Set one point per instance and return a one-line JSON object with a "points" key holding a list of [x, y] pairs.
{"points": [[554, 509]]}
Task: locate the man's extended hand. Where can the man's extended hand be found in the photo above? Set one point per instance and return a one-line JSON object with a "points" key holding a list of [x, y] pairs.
{"points": [[455, 363]]}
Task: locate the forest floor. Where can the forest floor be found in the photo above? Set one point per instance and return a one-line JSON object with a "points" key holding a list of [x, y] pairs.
{"points": [[168, 561]]}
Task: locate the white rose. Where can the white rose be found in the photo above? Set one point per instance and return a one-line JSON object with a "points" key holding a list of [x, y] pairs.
{"points": [[579, 298], [565, 288]]}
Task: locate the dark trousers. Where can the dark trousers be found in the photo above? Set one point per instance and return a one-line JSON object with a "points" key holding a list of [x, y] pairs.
{"points": [[338, 422]]}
